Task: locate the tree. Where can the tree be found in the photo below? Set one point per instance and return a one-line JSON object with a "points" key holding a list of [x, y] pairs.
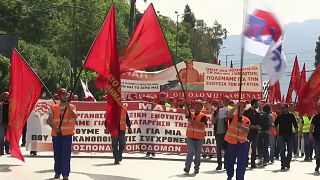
{"points": [[317, 57], [46, 27], [189, 17], [4, 73]]}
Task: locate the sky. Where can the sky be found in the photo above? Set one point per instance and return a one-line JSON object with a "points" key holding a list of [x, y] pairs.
{"points": [[229, 13]]}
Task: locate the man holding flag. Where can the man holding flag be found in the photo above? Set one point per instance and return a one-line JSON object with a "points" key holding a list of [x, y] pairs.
{"points": [[62, 117], [4, 118]]}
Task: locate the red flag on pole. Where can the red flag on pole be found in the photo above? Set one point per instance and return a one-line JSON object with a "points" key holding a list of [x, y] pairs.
{"points": [[147, 47], [310, 94], [102, 56], [282, 99], [103, 50], [303, 80], [275, 93], [294, 81], [25, 90]]}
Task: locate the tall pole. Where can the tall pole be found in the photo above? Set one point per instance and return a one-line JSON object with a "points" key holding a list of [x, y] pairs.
{"points": [[132, 7], [175, 63], [242, 54], [74, 43]]}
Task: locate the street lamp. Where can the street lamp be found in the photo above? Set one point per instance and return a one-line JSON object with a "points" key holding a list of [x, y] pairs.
{"points": [[177, 28], [227, 58]]}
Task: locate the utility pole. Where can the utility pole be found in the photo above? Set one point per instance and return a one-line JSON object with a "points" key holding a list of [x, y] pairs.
{"points": [[74, 42]]}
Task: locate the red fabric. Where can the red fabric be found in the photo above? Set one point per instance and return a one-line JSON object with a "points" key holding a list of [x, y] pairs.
{"points": [[103, 50], [147, 47], [303, 80], [294, 81], [310, 94], [25, 90], [275, 93]]}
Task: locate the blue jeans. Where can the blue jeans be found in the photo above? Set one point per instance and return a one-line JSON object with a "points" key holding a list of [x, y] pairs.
{"points": [[272, 142], [285, 142], [3, 144], [317, 151], [194, 149], [118, 144], [263, 143], [62, 154], [308, 146], [237, 151]]}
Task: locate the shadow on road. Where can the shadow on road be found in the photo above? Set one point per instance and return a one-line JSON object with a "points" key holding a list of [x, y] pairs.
{"points": [[104, 177], [108, 164], [313, 174], [45, 171], [183, 175], [214, 172], [6, 167]]}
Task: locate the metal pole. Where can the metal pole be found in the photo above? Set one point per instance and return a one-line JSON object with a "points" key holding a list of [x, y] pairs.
{"points": [[242, 55]]}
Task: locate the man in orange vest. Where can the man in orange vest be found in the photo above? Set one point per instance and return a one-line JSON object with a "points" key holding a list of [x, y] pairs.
{"points": [[62, 117], [238, 145], [119, 142], [195, 136]]}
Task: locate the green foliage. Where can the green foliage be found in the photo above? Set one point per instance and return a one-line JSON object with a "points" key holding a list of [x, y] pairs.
{"points": [[205, 41], [53, 70], [317, 57], [189, 17], [56, 36], [4, 73]]}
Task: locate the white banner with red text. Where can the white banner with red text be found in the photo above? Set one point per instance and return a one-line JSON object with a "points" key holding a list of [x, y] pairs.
{"points": [[199, 80], [155, 128]]}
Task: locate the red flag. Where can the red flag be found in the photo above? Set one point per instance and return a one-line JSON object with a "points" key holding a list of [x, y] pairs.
{"points": [[275, 93], [103, 50], [294, 81], [310, 94], [102, 56], [231, 65], [25, 90], [147, 47], [303, 80], [282, 99]]}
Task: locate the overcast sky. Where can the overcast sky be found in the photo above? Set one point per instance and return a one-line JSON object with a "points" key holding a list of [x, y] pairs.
{"points": [[229, 13]]}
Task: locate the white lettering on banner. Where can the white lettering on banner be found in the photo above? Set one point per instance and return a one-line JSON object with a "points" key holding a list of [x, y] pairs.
{"points": [[154, 128], [157, 107], [155, 148]]}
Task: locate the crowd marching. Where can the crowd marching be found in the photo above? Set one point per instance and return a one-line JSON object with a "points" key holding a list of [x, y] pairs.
{"points": [[265, 132]]}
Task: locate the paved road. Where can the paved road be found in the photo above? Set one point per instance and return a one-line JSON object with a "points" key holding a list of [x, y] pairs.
{"points": [[135, 166]]}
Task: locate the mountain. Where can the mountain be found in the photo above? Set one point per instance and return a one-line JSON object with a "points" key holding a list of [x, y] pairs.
{"points": [[300, 39]]}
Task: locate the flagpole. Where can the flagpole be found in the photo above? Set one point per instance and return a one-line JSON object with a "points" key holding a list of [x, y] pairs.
{"points": [[46, 88], [242, 52], [295, 99], [176, 57]]}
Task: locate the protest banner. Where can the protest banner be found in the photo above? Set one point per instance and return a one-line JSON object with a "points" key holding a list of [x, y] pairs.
{"points": [[156, 128], [199, 80]]}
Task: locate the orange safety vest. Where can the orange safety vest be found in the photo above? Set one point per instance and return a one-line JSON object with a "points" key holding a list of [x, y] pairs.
{"points": [[123, 118], [194, 131], [235, 134], [273, 130], [68, 123]]}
